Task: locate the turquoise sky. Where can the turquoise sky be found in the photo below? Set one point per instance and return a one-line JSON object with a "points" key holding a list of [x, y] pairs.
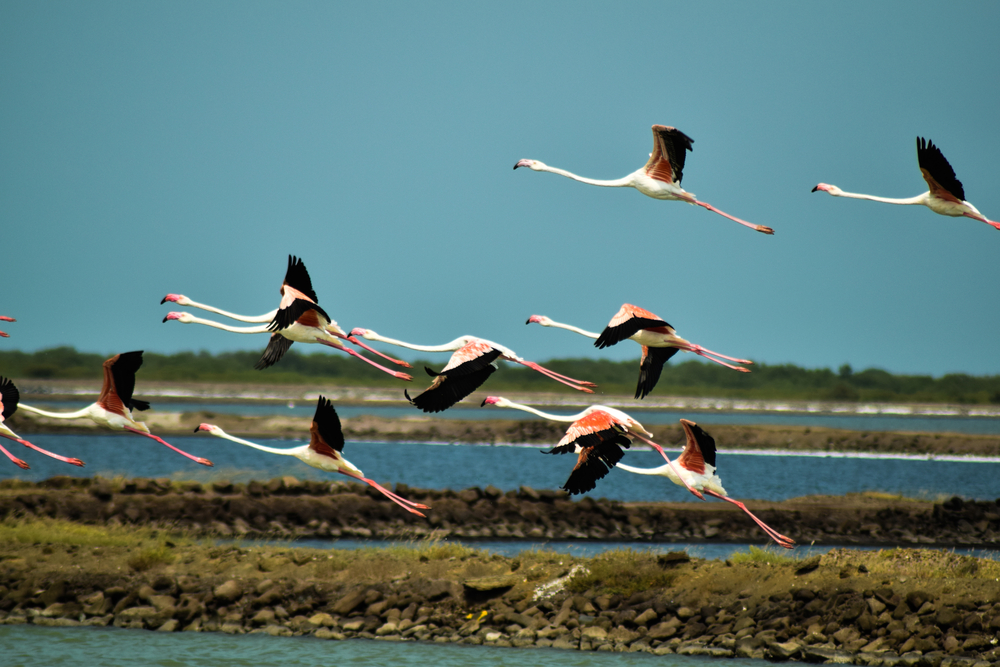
{"points": [[189, 147]]}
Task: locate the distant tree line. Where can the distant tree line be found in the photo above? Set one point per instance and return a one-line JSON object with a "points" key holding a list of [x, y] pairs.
{"points": [[689, 378]]}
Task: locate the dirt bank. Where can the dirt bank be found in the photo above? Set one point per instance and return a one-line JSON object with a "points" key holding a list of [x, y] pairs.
{"points": [[287, 507], [900, 607]]}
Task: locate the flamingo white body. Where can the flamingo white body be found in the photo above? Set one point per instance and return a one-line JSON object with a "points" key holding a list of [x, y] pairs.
{"points": [[323, 451], [652, 334], [945, 194], [477, 345], [4, 318], [660, 178], [298, 319], [695, 469], [113, 408], [611, 417]]}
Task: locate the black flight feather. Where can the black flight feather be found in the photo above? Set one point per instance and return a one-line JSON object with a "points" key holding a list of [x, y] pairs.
{"points": [[9, 396], [929, 157], [275, 350], [651, 367], [328, 424], [625, 330]]}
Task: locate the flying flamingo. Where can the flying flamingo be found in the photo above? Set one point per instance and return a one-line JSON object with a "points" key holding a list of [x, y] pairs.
{"points": [[298, 318], [324, 451], [659, 179], [697, 464], [114, 406], [4, 318], [9, 396], [596, 418], [597, 440], [945, 195], [473, 361], [658, 339]]}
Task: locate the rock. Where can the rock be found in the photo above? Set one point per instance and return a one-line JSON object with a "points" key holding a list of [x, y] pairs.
{"points": [[326, 633], [646, 617], [349, 602], [808, 565], [595, 632], [169, 626], [622, 635], [783, 650], [664, 630], [831, 655], [485, 584], [947, 618], [353, 626], [322, 619], [263, 617], [229, 592], [386, 629]]}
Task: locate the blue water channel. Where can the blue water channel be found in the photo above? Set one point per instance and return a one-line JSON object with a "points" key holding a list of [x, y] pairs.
{"points": [[25, 645], [460, 466]]}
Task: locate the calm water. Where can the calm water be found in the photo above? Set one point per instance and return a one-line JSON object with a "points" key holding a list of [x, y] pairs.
{"points": [[26, 645], [754, 476], [852, 422]]}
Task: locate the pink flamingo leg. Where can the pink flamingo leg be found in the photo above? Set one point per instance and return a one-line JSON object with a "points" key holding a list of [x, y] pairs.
{"points": [[18, 462], [196, 459], [698, 349], [357, 342], [968, 215], [4, 334], [552, 374], [759, 228], [555, 376], [395, 374], [672, 464], [783, 541], [76, 462], [407, 505]]}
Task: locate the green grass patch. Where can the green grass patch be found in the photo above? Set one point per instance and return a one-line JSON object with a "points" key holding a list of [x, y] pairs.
{"points": [[147, 559], [622, 572], [766, 555], [53, 531]]}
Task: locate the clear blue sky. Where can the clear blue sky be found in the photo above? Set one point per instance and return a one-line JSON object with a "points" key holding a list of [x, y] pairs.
{"points": [[189, 147]]}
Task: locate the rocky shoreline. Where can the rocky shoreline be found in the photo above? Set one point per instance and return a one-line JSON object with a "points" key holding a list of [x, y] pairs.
{"points": [[902, 607], [290, 508]]}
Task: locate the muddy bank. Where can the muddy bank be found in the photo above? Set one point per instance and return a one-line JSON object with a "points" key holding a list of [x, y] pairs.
{"points": [[287, 507], [902, 607], [421, 428]]}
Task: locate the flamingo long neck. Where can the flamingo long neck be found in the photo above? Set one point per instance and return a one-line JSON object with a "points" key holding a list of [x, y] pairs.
{"points": [[226, 327], [57, 415], [240, 441], [447, 347], [626, 182], [919, 199], [267, 317], [545, 415], [570, 327]]}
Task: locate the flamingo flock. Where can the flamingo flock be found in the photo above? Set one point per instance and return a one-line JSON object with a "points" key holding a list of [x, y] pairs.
{"points": [[598, 436]]}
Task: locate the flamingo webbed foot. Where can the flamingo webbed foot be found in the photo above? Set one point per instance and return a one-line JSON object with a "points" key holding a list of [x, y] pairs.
{"points": [[764, 230], [76, 462], [205, 462], [403, 376]]}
